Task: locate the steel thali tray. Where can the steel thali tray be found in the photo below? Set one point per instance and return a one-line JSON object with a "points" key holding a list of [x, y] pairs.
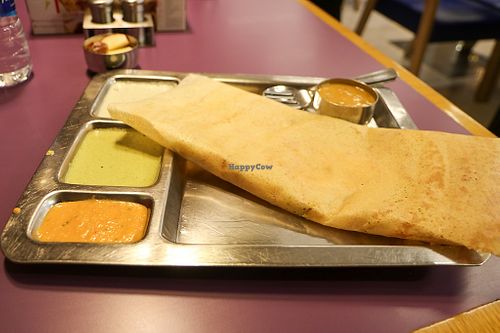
{"points": [[197, 219]]}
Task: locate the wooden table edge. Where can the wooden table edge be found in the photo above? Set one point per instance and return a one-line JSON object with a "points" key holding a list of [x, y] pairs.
{"points": [[483, 318], [421, 87]]}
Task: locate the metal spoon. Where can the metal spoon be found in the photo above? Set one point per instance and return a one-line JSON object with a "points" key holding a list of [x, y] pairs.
{"points": [[302, 98], [297, 98], [384, 75]]}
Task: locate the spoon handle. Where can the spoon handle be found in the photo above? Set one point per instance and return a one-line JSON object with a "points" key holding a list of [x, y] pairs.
{"points": [[384, 75]]}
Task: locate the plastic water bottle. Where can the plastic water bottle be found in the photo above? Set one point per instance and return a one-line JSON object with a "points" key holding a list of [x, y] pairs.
{"points": [[15, 60]]}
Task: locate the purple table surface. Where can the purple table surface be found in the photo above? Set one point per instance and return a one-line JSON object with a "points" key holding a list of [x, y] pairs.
{"points": [[256, 37]]}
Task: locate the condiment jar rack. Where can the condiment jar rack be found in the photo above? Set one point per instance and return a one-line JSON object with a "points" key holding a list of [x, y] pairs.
{"points": [[130, 19]]}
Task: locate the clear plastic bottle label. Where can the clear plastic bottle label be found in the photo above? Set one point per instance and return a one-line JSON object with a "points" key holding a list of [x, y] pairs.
{"points": [[7, 8]]}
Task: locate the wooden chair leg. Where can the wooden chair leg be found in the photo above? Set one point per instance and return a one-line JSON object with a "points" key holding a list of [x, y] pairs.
{"points": [[490, 76], [370, 5], [423, 35], [409, 49], [495, 123], [356, 4]]}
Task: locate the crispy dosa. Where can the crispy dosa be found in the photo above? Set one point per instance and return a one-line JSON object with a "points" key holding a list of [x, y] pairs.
{"points": [[422, 185]]}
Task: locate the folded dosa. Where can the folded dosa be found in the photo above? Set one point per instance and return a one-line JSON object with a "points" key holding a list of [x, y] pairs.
{"points": [[421, 185]]}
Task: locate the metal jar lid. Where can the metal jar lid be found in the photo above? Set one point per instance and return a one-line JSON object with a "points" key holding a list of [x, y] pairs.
{"points": [[101, 10], [133, 10]]}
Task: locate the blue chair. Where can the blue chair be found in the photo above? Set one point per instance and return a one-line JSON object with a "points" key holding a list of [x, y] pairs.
{"points": [[444, 20]]}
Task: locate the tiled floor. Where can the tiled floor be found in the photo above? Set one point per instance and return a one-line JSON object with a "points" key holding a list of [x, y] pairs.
{"points": [[456, 82]]}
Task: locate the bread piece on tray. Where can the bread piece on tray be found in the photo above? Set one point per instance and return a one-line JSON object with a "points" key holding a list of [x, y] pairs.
{"points": [[421, 185]]}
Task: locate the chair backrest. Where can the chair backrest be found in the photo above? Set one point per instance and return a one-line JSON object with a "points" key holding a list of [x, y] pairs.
{"points": [[455, 19]]}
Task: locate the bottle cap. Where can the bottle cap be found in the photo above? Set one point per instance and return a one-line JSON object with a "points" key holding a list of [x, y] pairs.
{"points": [[7, 8]]}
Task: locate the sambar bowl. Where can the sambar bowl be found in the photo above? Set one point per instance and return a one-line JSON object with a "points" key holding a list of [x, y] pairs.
{"points": [[346, 99]]}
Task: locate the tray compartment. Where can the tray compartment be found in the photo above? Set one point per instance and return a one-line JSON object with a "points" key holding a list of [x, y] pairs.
{"points": [[205, 209], [134, 146], [66, 196], [119, 89], [211, 222]]}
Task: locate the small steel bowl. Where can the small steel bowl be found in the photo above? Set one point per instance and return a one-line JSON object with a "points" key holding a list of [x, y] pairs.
{"points": [[355, 112], [98, 62]]}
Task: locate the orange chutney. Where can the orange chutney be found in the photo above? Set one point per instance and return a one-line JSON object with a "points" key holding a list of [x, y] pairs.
{"points": [[346, 94], [94, 221]]}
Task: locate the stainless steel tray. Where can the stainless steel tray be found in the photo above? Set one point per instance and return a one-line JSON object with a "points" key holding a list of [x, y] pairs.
{"points": [[198, 219]]}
